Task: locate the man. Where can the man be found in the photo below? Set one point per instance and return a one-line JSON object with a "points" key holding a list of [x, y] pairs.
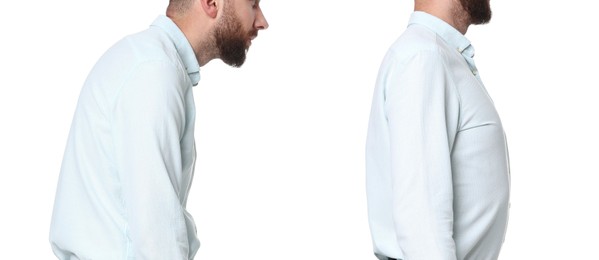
{"points": [[129, 161], [436, 156]]}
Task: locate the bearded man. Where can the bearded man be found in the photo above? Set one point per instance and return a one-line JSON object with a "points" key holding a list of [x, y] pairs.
{"points": [[437, 170], [129, 160]]}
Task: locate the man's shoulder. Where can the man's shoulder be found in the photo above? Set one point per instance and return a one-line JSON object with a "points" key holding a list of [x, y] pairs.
{"points": [[135, 53], [416, 40], [150, 44], [137, 50]]}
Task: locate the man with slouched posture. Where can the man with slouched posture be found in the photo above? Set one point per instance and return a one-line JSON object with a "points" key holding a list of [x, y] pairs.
{"points": [[436, 156], [129, 161]]}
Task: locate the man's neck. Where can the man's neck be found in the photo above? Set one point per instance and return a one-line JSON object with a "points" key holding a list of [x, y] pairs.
{"points": [[450, 12], [199, 34]]}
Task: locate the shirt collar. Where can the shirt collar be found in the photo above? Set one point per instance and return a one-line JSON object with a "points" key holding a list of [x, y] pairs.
{"points": [[453, 37], [182, 45]]}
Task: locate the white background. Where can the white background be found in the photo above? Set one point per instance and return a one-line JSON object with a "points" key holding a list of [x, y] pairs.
{"points": [[280, 171]]}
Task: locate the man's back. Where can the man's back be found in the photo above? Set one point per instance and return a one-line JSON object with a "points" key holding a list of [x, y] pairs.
{"points": [[437, 169], [129, 160]]}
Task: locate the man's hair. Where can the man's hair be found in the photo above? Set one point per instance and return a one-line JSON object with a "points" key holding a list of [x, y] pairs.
{"points": [[179, 6]]}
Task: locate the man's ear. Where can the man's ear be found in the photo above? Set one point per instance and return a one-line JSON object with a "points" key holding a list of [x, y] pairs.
{"points": [[210, 7]]}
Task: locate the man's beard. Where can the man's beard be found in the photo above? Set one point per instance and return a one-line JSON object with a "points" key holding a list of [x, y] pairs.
{"points": [[479, 11], [231, 38]]}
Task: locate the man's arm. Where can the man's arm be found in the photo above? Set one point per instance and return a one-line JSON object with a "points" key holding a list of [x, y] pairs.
{"points": [[148, 122], [419, 106]]}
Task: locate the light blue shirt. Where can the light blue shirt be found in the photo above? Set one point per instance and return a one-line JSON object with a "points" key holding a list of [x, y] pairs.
{"points": [[437, 168], [129, 161]]}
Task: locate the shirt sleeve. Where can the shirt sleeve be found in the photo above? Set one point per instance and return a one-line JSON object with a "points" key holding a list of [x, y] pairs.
{"points": [[148, 122], [421, 111]]}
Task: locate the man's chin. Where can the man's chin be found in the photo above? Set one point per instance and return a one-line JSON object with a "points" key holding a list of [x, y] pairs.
{"points": [[236, 63], [234, 53]]}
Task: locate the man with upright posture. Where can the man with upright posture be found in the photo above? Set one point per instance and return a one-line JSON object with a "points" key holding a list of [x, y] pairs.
{"points": [[129, 161], [436, 156]]}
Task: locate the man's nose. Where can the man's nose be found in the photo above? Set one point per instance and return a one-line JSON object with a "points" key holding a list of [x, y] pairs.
{"points": [[260, 23]]}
